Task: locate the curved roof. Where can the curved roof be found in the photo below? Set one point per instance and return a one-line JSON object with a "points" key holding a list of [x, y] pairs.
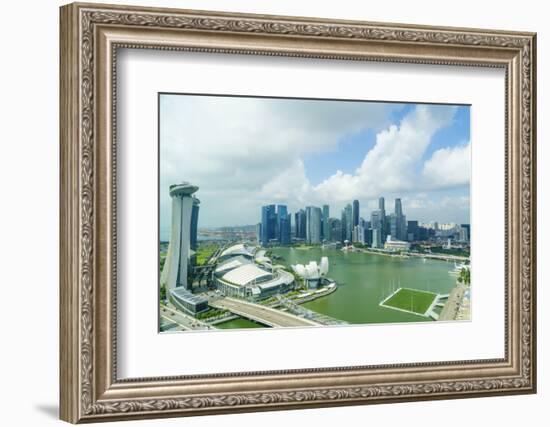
{"points": [[183, 294], [232, 263], [246, 274], [284, 278], [261, 253], [239, 249]]}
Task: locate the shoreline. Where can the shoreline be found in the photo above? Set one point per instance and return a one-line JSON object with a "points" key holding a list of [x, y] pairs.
{"points": [[404, 254]]}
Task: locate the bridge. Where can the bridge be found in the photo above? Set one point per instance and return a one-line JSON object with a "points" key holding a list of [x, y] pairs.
{"points": [[260, 313], [202, 274], [303, 312]]}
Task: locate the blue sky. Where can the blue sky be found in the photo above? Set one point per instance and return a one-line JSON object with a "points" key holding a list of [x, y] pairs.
{"points": [[247, 152], [349, 153]]}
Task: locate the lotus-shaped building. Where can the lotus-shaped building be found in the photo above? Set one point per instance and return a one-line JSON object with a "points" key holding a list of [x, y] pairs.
{"points": [[312, 272]]}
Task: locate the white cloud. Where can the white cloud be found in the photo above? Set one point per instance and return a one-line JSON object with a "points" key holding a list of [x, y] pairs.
{"points": [[245, 154], [391, 165], [249, 151], [290, 183], [437, 207], [448, 167]]}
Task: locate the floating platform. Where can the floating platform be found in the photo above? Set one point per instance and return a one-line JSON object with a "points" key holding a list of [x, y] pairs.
{"points": [[413, 301]]}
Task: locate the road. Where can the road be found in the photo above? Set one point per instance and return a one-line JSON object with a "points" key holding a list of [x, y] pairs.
{"points": [[261, 314], [183, 321]]}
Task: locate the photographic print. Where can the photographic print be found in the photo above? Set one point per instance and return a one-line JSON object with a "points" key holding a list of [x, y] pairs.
{"points": [[297, 181], [290, 212]]}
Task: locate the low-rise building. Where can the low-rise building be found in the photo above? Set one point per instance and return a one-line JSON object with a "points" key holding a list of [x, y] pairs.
{"points": [[396, 245], [251, 281], [187, 301], [236, 250]]}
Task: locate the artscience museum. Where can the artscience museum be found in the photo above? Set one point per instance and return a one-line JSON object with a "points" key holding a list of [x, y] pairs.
{"points": [[312, 273]]}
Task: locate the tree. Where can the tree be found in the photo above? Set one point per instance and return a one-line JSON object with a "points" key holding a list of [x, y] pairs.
{"points": [[464, 276]]}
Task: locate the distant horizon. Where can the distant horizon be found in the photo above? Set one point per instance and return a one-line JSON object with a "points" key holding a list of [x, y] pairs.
{"points": [[254, 225], [166, 231], [244, 153]]}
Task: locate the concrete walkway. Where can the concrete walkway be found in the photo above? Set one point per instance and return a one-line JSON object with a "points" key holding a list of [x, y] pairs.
{"points": [[450, 309]]}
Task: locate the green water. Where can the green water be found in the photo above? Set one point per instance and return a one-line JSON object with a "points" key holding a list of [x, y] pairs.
{"points": [[239, 324], [366, 279]]}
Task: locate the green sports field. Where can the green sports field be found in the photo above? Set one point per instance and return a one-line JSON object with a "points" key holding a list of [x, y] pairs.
{"points": [[410, 300]]}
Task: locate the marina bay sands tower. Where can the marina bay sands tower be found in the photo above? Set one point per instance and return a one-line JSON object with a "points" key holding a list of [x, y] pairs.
{"points": [[184, 204]]}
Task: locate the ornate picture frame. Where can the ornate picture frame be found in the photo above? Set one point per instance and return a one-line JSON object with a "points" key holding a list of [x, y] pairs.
{"points": [[90, 37]]}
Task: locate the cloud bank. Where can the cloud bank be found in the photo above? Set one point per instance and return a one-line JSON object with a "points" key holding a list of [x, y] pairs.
{"points": [[246, 152]]}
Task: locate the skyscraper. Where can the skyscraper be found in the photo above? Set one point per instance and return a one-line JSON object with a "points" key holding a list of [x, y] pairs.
{"points": [[403, 228], [326, 225], [300, 224], [386, 231], [355, 213], [412, 231], [398, 207], [368, 236], [194, 223], [343, 225], [376, 238], [376, 224], [381, 206], [283, 228], [269, 224], [385, 225], [335, 229], [394, 226], [349, 223], [313, 224], [176, 267], [359, 234], [376, 219], [465, 232], [399, 230]]}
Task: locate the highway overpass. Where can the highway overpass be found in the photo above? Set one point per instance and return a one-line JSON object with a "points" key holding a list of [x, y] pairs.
{"points": [[260, 313]]}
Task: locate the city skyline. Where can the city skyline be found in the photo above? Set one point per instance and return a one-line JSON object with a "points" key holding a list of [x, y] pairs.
{"points": [[419, 153], [314, 225], [236, 275]]}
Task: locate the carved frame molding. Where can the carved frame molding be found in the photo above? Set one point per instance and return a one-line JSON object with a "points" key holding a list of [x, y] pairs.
{"points": [[90, 37]]}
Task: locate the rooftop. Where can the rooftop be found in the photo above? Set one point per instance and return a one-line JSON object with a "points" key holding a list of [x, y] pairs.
{"points": [[183, 189], [238, 249], [183, 294], [246, 274], [232, 263]]}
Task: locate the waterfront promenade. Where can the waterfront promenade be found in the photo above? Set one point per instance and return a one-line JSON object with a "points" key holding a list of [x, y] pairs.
{"points": [[451, 307], [405, 254]]}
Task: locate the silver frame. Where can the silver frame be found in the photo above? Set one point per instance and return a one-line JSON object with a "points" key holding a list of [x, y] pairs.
{"points": [[90, 37]]}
